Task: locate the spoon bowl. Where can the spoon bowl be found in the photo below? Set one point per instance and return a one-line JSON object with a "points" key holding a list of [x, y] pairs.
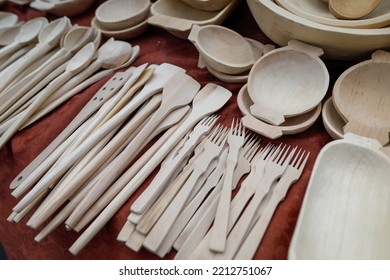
{"points": [[8, 19], [122, 14]]}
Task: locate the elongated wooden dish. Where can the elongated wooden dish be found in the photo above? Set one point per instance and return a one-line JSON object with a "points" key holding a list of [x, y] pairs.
{"points": [[178, 17], [287, 82], [362, 98], [318, 11], [345, 210]]}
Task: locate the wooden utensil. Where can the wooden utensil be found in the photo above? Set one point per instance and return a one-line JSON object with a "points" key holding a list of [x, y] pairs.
{"points": [[27, 33], [348, 186], [203, 104], [219, 232], [173, 98], [366, 113], [212, 149], [68, 8], [294, 170], [8, 19], [222, 48], [74, 40], [49, 37], [303, 80], [76, 64], [122, 34], [346, 9], [291, 125]]}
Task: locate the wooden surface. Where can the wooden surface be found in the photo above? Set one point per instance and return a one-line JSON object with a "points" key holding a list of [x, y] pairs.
{"points": [[157, 46]]}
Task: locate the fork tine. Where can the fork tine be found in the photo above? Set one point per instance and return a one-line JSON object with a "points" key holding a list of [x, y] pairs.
{"points": [[302, 164], [281, 153], [289, 157], [295, 160], [251, 153]]}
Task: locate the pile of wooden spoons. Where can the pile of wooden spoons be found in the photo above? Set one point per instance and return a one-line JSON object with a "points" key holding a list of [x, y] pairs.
{"points": [[66, 60], [122, 19], [284, 91]]}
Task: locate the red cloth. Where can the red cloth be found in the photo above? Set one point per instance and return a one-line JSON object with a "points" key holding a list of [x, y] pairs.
{"points": [[157, 46]]}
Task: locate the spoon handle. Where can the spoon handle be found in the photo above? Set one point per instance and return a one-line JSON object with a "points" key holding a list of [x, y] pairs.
{"points": [[9, 49], [18, 66]]}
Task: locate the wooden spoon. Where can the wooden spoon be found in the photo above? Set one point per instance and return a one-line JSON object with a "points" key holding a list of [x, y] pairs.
{"points": [[352, 9], [76, 64], [8, 19], [74, 40], [48, 37], [27, 33], [362, 98]]}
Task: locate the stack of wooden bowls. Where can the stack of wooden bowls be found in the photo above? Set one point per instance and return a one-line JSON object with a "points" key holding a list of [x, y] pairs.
{"points": [[284, 90], [122, 19]]}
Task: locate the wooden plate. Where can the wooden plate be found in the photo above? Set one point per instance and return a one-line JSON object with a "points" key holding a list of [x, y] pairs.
{"points": [[345, 212], [362, 98], [318, 11]]}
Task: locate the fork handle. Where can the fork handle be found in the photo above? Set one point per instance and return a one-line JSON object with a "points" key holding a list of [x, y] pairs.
{"points": [[252, 242]]}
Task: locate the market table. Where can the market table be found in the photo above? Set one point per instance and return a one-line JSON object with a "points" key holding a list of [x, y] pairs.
{"points": [[157, 46]]}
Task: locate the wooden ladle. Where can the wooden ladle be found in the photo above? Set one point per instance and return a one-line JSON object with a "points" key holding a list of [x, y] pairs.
{"points": [[352, 9]]}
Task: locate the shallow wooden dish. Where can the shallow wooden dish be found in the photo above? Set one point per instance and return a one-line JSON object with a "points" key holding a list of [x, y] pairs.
{"points": [[178, 17], [338, 43], [287, 82], [345, 210], [362, 98], [318, 11], [292, 125], [68, 8], [124, 34], [122, 14]]}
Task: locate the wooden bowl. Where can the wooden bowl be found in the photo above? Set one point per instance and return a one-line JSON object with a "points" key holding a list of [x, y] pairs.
{"points": [[332, 121], [338, 43], [287, 82], [208, 5], [62, 8], [344, 214], [124, 34], [291, 125], [122, 14], [362, 98], [177, 17], [318, 11], [223, 49]]}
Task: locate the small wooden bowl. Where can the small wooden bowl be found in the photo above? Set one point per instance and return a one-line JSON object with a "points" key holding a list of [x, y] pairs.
{"points": [[291, 125], [122, 14], [223, 49], [208, 5], [287, 82], [124, 34]]}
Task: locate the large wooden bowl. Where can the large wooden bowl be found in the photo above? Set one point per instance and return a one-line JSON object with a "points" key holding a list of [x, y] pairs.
{"points": [[338, 43]]}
